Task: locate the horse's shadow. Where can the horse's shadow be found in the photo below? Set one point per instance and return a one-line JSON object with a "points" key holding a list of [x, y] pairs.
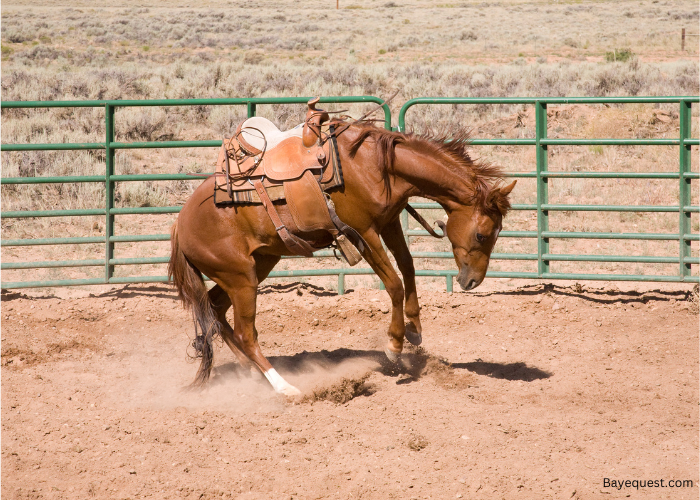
{"points": [[507, 371], [413, 365]]}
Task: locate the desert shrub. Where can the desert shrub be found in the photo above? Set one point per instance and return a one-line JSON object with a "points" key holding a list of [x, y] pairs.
{"points": [[139, 194], [18, 36], [619, 55], [33, 164], [225, 119], [694, 300], [142, 124]]}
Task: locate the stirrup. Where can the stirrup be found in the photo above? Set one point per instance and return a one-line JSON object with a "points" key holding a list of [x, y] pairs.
{"points": [[348, 250]]}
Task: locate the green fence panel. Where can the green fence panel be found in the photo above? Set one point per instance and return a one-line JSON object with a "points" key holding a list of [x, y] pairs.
{"points": [[540, 174], [110, 146]]}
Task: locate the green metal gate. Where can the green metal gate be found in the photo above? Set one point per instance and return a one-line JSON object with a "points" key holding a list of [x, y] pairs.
{"points": [[541, 174], [543, 207]]}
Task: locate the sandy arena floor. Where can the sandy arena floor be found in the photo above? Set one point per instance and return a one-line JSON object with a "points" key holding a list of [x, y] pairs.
{"points": [[519, 392]]}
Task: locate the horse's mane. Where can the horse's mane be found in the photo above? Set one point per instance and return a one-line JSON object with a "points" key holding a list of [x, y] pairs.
{"points": [[483, 178]]}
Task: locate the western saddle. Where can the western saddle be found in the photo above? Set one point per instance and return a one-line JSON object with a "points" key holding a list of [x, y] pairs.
{"points": [[261, 164]]}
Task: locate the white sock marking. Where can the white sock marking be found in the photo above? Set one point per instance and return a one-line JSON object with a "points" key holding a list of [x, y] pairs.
{"points": [[276, 380]]}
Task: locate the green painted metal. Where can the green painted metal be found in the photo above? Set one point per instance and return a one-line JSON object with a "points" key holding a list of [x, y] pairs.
{"points": [[684, 197], [52, 213], [542, 187], [52, 147], [52, 241], [109, 190], [541, 174], [53, 180]]}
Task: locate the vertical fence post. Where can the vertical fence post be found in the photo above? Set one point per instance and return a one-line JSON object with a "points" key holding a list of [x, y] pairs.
{"points": [[404, 227], [341, 284], [252, 109], [542, 195], [684, 198], [109, 190], [682, 42]]}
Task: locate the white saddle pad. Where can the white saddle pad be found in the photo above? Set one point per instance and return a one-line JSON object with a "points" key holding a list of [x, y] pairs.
{"points": [[262, 134]]}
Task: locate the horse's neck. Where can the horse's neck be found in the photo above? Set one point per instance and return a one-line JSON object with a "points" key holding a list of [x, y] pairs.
{"points": [[428, 177]]}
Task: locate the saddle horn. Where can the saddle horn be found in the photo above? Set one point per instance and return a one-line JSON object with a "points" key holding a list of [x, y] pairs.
{"points": [[312, 124]]}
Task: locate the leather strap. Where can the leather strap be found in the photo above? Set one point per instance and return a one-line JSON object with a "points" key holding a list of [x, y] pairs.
{"points": [[227, 165], [349, 232], [292, 242], [425, 224]]}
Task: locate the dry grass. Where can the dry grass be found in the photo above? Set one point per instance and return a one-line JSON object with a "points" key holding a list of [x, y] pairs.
{"points": [[423, 49], [419, 30]]}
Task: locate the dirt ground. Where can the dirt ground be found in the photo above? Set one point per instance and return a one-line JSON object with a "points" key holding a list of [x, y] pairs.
{"points": [[520, 390]]}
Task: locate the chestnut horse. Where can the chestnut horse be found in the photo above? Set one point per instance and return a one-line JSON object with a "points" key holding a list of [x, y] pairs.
{"points": [[238, 246]]}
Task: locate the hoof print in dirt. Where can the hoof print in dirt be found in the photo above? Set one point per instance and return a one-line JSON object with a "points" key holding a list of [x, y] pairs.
{"points": [[416, 442]]}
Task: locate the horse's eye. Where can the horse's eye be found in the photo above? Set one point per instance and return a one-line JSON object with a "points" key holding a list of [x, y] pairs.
{"points": [[480, 237]]}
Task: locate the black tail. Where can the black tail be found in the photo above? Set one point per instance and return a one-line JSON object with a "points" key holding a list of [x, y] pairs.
{"points": [[193, 293]]}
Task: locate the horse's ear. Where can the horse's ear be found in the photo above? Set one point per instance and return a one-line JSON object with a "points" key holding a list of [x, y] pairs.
{"points": [[498, 198], [505, 191]]}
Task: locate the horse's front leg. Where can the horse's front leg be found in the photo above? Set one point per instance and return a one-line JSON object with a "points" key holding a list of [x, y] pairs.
{"points": [[395, 242], [380, 263]]}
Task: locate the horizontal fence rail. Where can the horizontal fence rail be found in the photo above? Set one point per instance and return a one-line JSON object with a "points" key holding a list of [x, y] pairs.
{"points": [[541, 174]]}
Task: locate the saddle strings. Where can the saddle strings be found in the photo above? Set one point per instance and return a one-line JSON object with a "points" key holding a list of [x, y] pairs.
{"points": [[240, 154]]}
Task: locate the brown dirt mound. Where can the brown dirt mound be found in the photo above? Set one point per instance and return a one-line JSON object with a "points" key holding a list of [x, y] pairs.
{"points": [[343, 391], [14, 357]]}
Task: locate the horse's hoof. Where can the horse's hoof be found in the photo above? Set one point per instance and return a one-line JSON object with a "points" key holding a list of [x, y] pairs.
{"points": [[290, 391], [394, 357], [412, 335]]}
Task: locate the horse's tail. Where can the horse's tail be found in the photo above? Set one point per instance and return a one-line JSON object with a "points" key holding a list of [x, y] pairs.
{"points": [[193, 293]]}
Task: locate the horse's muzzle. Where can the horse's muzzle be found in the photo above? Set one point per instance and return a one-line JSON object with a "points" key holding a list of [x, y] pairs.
{"points": [[467, 282]]}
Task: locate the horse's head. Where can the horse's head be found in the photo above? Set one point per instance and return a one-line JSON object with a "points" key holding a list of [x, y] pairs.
{"points": [[473, 230]]}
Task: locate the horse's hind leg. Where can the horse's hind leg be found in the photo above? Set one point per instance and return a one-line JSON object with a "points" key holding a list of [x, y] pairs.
{"points": [[221, 303], [242, 288]]}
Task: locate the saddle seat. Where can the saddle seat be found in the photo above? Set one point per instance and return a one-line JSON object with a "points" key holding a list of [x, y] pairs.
{"points": [[264, 135]]}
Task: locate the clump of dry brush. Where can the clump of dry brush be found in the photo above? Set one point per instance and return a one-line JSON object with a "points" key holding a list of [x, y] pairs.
{"points": [[694, 300]]}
